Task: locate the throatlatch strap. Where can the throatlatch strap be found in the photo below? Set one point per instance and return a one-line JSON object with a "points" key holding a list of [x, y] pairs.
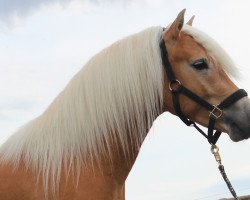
{"points": [[179, 113]]}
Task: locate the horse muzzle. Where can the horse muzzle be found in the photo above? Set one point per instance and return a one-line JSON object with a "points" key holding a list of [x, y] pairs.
{"points": [[237, 120]]}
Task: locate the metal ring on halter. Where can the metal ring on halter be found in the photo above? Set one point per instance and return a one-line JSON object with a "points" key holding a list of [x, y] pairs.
{"points": [[216, 112], [177, 87]]}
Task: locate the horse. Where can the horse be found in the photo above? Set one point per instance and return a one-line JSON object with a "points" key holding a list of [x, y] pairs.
{"points": [[85, 143]]}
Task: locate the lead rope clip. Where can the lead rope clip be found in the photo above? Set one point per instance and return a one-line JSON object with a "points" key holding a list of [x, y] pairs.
{"points": [[215, 152]]}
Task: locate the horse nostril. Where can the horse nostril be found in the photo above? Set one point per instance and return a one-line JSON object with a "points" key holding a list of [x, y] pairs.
{"points": [[237, 119]]}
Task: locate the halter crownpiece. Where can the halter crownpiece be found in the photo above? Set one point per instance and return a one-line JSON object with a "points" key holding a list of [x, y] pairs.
{"points": [[215, 111]]}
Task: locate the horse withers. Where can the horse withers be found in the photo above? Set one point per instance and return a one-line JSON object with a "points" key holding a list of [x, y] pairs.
{"points": [[85, 144]]}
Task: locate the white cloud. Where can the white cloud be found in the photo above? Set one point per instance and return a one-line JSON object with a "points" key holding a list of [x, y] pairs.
{"points": [[16, 9]]}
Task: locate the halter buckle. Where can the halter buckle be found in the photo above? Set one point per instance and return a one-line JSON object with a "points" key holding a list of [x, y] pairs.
{"points": [[216, 112], [174, 85]]}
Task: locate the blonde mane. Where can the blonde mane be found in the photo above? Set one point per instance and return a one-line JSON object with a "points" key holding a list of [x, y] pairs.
{"points": [[117, 95], [120, 90]]}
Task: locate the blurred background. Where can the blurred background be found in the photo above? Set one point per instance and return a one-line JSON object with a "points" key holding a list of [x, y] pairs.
{"points": [[43, 43]]}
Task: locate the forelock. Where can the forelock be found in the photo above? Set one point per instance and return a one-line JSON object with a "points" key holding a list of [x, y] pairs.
{"points": [[214, 50]]}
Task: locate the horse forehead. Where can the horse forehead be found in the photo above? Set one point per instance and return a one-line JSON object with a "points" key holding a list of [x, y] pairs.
{"points": [[187, 47]]}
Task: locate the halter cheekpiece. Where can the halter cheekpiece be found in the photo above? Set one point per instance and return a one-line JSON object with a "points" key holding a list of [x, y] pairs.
{"points": [[215, 111]]}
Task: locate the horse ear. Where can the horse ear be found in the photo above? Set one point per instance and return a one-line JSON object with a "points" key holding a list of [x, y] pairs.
{"points": [[190, 22], [174, 30]]}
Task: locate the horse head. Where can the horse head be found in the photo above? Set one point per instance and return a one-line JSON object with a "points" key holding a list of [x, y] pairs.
{"points": [[203, 67]]}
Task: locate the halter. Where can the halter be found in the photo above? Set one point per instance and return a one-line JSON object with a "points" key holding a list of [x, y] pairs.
{"points": [[215, 111]]}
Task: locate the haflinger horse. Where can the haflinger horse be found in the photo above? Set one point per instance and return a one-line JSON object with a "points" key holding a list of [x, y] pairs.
{"points": [[85, 144]]}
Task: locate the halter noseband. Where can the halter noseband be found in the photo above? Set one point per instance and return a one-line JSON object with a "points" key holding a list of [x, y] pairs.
{"points": [[215, 111]]}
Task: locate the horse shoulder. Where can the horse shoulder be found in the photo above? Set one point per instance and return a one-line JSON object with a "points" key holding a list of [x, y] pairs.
{"points": [[17, 183]]}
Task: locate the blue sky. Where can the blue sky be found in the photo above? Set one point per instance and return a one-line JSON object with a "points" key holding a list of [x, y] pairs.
{"points": [[44, 43]]}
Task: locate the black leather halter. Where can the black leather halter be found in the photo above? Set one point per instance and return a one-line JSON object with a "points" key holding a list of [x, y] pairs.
{"points": [[215, 111]]}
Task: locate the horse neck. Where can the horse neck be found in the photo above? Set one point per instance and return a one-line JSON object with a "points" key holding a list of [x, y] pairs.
{"points": [[103, 115], [115, 161], [114, 153]]}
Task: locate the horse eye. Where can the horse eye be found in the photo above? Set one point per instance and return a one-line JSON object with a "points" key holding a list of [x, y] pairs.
{"points": [[200, 64]]}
